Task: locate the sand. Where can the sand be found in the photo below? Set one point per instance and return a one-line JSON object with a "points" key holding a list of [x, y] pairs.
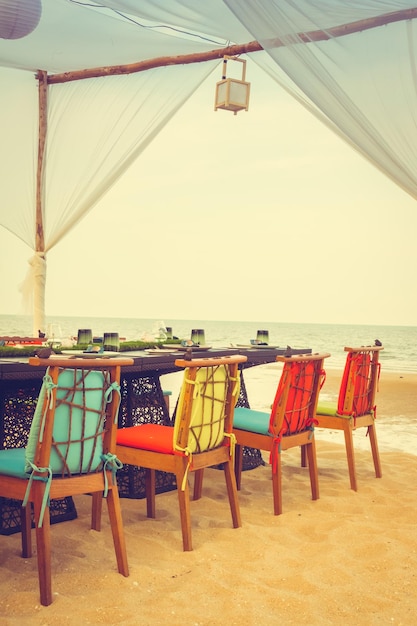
{"points": [[349, 557]]}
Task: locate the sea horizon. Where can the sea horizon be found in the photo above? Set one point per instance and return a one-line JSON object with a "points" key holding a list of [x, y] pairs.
{"points": [[400, 342]]}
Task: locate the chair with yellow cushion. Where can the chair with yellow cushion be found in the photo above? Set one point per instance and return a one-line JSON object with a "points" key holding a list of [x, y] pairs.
{"points": [[355, 407], [70, 451], [290, 423], [201, 437]]}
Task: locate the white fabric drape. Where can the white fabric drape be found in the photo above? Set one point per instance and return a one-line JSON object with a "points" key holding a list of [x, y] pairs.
{"points": [[363, 85], [96, 129]]}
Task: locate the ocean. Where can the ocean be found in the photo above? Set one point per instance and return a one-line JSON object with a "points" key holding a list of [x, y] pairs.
{"points": [[400, 342], [395, 432]]}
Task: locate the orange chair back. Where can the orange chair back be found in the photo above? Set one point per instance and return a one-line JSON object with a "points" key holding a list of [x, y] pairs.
{"points": [[295, 402], [359, 381]]}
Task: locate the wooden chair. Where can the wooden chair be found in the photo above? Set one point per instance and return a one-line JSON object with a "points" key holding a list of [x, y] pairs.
{"points": [[290, 423], [356, 404], [201, 437], [70, 451]]}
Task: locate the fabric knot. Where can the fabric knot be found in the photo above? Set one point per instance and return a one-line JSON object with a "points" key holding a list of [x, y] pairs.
{"points": [[186, 452], [49, 387], [108, 396], [46, 479], [232, 442], [275, 451], [112, 463]]}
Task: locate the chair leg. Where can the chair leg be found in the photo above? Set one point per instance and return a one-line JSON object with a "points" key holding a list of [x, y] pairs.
{"points": [[116, 523], [232, 493], [277, 484], [375, 451], [238, 465], [96, 509], [43, 547], [198, 484], [350, 453], [150, 487], [303, 456], [312, 467], [185, 514], [26, 532]]}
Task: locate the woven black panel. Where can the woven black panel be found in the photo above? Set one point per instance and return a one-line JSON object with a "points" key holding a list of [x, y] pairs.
{"points": [[18, 406], [60, 511]]}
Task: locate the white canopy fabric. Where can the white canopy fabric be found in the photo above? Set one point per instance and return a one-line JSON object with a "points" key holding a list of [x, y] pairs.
{"points": [[351, 63]]}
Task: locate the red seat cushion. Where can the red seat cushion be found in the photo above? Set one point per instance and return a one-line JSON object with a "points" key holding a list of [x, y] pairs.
{"points": [[147, 437]]}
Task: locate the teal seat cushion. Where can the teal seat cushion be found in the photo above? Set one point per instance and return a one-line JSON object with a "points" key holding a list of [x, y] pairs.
{"points": [[252, 421], [12, 462]]}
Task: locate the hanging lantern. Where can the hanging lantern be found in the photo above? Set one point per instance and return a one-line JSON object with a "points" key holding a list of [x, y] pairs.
{"points": [[232, 94], [18, 18]]}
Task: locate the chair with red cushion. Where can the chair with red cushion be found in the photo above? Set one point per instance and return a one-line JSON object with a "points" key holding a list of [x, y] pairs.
{"points": [[201, 437], [290, 423], [355, 407]]}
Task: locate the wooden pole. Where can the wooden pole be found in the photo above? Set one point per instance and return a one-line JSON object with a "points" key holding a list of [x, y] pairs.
{"points": [[235, 50], [39, 261]]}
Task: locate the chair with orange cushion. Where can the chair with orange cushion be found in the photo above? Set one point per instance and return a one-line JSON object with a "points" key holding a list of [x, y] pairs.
{"points": [[356, 404], [201, 437], [290, 423], [70, 451]]}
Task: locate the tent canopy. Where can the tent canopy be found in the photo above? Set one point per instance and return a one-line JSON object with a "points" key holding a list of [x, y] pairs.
{"points": [[81, 119]]}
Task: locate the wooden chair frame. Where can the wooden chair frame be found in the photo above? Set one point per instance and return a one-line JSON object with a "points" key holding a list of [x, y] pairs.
{"points": [[63, 486], [178, 463], [349, 419], [274, 442]]}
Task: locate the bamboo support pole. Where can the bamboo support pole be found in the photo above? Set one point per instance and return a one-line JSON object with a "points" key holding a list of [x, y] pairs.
{"points": [[39, 264], [235, 50]]}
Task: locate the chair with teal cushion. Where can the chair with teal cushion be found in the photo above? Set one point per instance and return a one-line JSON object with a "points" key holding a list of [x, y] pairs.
{"points": [[290, 422], [70, 451], [201, 437], [355, 406]]}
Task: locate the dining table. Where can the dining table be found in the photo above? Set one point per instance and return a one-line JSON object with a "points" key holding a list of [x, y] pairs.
{"points": [[142, 401]]}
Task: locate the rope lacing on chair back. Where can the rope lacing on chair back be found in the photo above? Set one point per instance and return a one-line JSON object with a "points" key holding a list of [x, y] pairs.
{"points": [[305, 378], [206, 430], [358, 372], [79, 423], [80, 415]]}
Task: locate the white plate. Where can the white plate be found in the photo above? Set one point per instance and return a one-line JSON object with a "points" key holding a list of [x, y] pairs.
{"points": [[87, 355], [256, 346], [182, 348], [160, 350]]}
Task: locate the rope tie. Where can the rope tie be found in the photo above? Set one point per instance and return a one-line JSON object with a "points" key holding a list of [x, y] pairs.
{"points": [[186, 452], [275, 450], [232, 442], [108, 396], [311, 424], [49, 386], [45, 479], [236, 386], [111, 462]]}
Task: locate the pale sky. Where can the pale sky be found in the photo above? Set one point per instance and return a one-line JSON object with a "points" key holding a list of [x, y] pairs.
{"points": [[263, 216]]}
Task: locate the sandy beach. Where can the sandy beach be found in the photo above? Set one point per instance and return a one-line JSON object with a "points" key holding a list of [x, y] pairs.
{"points": [[346, 558]]}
